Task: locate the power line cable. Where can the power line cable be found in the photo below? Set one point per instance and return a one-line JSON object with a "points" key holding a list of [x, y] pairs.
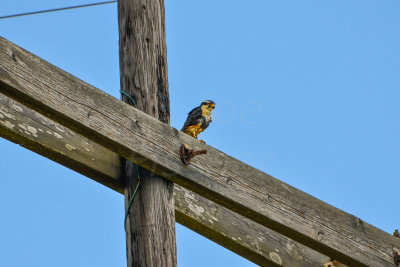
{"points": [[137, 170], [56, 9]]}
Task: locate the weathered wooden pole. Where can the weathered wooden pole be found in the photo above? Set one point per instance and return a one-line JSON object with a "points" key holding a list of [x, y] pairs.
{"points": [[150, 226]]}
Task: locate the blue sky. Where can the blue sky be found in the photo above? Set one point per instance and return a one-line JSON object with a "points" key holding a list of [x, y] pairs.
{"points": [[306, 91]]}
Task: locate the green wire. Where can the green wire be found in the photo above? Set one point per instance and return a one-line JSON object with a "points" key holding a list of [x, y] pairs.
{"points": [[133, 101], [137, 169], [133, 196]]}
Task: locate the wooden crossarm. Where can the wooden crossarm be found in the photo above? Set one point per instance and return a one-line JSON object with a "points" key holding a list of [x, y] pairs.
{"points": [[252, 241], [216, 176]]}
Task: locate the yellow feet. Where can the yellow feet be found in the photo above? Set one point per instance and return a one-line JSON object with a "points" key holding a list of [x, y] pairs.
{"points": [[333, 263]]}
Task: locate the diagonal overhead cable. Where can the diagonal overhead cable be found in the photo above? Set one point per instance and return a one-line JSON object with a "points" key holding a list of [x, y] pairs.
{"points": [[56, 9]]}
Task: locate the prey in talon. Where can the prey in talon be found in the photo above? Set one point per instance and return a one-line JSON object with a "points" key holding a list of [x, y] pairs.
{"points": [[198, 119]]}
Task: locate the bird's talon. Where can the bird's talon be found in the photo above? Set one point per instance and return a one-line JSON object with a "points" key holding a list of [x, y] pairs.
{"points": [[333, 263]]}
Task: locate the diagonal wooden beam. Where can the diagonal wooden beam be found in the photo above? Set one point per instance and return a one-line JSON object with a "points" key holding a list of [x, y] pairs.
{"points": [[217, 176], [254, 242]]}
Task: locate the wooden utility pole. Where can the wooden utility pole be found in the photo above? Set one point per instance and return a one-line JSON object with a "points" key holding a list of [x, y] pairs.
{"points": [[150, 227]]}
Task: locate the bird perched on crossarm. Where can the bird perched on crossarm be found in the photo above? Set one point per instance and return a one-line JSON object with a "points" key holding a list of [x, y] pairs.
{"points": [[198, 119]]}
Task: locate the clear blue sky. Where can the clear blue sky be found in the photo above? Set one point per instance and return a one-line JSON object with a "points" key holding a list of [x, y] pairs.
{"points": [[307, 91]]}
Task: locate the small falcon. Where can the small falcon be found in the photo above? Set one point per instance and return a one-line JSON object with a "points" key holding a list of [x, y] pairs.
{"points": [[199, 119]]}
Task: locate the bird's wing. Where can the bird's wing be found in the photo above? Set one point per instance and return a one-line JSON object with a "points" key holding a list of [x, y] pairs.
{"points": [[194, 118]]}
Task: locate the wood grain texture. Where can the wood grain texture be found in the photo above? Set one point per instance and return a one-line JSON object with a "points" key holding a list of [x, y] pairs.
{"points": [[217, 176], [252, 241], [150, 229], [35, 132], [240, 235]]}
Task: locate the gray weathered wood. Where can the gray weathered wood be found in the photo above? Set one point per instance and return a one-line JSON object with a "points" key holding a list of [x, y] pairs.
{"points": [[243, 236], [150, 228], [56, 142], [216, 176], [35, 132]]}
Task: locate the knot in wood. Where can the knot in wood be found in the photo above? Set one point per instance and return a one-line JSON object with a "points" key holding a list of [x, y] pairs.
{"points": [[188, 154]]}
